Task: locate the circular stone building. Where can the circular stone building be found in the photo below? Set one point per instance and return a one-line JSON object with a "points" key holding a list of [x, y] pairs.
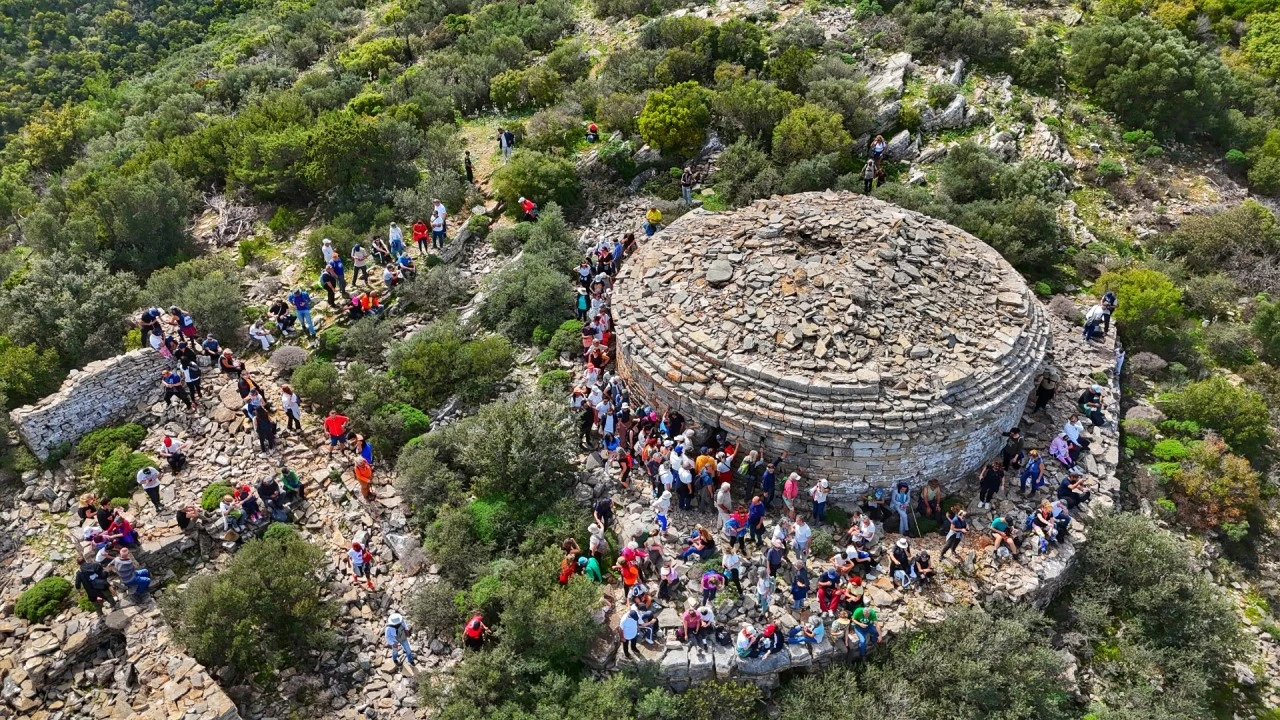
{"points": [[873, 343]]}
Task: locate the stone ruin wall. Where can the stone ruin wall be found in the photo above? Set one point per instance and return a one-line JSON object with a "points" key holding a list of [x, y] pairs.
{"points": [[100, 393]]}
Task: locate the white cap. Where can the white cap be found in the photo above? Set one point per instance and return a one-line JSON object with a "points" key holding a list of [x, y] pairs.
{"points": [[902, 543], [395, 619], [823, 482]]}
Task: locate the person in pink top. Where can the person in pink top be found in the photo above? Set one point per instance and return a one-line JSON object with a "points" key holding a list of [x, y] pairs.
{"points": [[790, 491]]}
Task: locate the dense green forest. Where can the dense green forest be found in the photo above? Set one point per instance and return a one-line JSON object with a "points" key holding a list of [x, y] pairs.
{"points": [[337, 117]]}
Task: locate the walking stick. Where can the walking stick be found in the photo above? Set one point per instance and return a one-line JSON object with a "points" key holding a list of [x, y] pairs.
{"points": [[912, 508]]}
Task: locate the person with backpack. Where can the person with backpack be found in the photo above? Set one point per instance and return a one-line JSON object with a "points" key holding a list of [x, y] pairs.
{"points": [[1109, 303], [687, 178], [868, 175], [528, 208], [397, 635], [361, 563], [186, 324], [301, 301], [473, 633], [506, 143], [93, 580]]}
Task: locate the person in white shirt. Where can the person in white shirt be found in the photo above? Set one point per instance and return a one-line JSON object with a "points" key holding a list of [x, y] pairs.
{"points": [[1073, 429], [171, 450], [724, 503], [437, 208], [630, 630], [437, 232], [803, 534], [359, 259], [662, 507], [292, 408], [259, 333], [819, 495], [1092, 319], [326, 251], [149, 479], [866, 532], [731, 562], [746, 644], [764, 590]]}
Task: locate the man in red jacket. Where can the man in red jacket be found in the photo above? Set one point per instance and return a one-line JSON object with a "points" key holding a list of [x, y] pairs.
{"points": [[420, 235]]}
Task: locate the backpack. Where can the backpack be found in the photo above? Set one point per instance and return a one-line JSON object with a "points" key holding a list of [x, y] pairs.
{"points": [[366, 557]]}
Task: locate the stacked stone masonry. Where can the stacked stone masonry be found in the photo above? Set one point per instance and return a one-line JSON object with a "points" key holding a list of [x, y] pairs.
{"points": [[99, 394], [873, 343]]}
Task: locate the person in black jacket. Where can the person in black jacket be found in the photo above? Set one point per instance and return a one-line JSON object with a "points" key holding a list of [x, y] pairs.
{"points": [[93, 580]]}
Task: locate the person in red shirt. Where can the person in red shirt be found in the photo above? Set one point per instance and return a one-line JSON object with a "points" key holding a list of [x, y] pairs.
{"points": [[530, 209], [474, 632], [336, 426], [420, 235]]}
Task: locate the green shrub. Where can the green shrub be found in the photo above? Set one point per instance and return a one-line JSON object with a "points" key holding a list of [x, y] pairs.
{"points": [[1238, 414], [1232, 241], [542, 178], [940, 94], [213, 494], [507, 240], [1237, 159], [27, 373], [1170, 450], [478, 226], [253, 249], [280, 531], [1166, 505], [527, 295], [394, 425], [1150, 305], [1041, 64], [117, 476], [555, 382], [439, 361], [1110, 170], [1212, 486], [272, 589], [208, 288], [97, 444], [752, 108], [438, 290], [42, 599], [1229, 344], [1266, 328], [555, 130], [1151, 76], [285, 222], [807, 132], [943, 28], [1043, 289], [566, 338], [317, 384], [675, 119], [435, 611], [366, 339]]}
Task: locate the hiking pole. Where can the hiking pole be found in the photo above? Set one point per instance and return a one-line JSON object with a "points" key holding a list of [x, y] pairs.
{"points": [[912, 508]]}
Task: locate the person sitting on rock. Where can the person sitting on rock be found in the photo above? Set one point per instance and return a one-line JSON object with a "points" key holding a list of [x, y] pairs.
{"points": [[745, 646], [900, 564], [770, 641], [259, 332], [591, 568], [1060, 449], [92, 578], [1090, 403], [284, 317], [699, 543], [232, 514], [810, 631], [408, 268], [1002, 534], [841, 629], [922, 567], [121, 531], [866, 627], [930, 503], [1061, 518], [1072, 490], [131, 576], [248, 501], [829, 592], [229, 365], [1042, 524]]}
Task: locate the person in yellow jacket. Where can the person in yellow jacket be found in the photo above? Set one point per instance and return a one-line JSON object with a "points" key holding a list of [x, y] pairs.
{"points": [[653, 219]]}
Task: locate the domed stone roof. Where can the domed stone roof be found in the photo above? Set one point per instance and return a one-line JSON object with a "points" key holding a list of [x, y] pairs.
{"points": [[838, 326]]}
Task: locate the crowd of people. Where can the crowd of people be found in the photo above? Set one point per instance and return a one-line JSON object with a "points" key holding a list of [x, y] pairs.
{"points": [[702, 471]]}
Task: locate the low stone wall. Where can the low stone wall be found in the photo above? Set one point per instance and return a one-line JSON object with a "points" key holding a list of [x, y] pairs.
{"points": [[99, 394]]}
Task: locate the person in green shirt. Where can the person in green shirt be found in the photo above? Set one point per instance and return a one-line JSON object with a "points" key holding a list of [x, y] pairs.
{"points": [[291, 484], [591, 568], [866, 627], [1002, 535]]}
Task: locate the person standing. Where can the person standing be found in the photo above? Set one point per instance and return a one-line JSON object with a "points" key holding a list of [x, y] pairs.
{"points": [[175, 386], [420, 236], [330, 286], [301, 301], [336, 426], [1033, 472], [266, 428], [506, 143], [790, 491], [191, 375], [397, 634], [292, 407], [901, 501], [473, 634], [149, 478], [687, 179], [466, 166], [990, 482], [1109, 303], [396, 240], [361, 563], [359, 264], [364, 475], [868, 175], [818, 493], [438, 208], [339, 272], [1046, 388], [437, 232], [629, 631]]}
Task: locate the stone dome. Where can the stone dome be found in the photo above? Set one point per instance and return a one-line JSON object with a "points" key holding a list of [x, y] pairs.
{"points": [[873, 343]]}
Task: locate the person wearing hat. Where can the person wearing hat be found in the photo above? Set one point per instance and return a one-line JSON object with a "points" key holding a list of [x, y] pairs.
{"points": [[790, 491], [591, 568], [583, 303], [900, 563], [818, 493], [1090, 403], [746, 643], [662, 508], [472, 635], [397, 634]]}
